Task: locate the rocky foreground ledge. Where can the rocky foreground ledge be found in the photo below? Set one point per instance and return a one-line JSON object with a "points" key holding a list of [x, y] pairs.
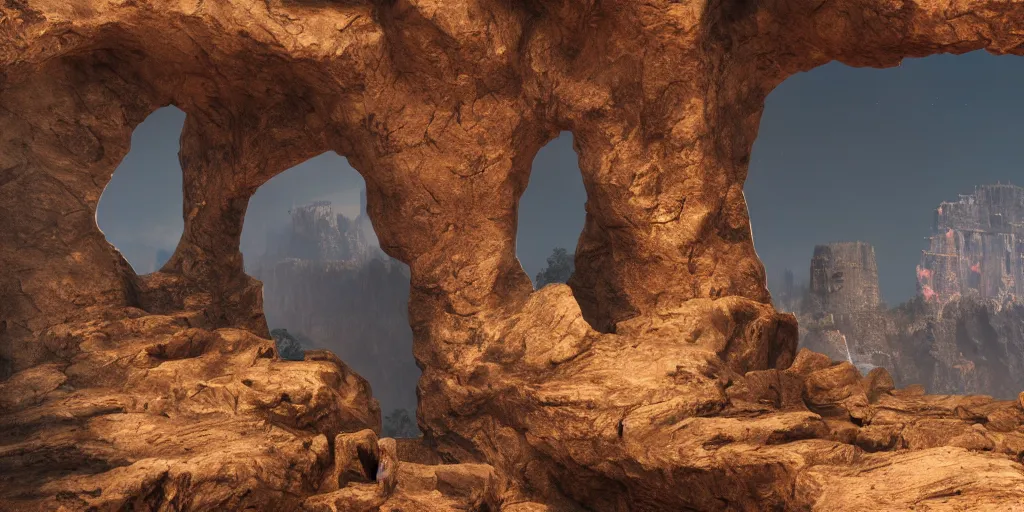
{"points": [[152, 414]]}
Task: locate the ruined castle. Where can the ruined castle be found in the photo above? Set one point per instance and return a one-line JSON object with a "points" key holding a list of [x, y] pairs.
{"points": [[977, 247]]}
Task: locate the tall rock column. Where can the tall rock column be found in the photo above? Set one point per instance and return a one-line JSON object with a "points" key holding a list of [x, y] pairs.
{"points": [[63, 131], [222, 167], [844, 278], [215, 200], [661, 219], [664, 139], [847, 319], [451, 215]]}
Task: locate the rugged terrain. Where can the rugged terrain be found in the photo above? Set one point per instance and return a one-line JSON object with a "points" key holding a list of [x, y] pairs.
{"points": [[965, 344], [660, 378]]}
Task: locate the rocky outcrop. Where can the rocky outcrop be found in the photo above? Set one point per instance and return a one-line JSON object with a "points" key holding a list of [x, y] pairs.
{"points": [[661, 380], [316, 233], [971, 345], [962, 334], [964, 345], [427, 487], [844, 279], [150, 411]]}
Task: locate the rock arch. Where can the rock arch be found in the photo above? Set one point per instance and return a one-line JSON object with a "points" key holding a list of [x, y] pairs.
{"points": [[442, 107]]}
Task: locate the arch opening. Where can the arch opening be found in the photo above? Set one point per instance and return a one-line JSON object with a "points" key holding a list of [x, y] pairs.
{"points": [[878, 208], [551, 214], [328, 285], [139, 211]]}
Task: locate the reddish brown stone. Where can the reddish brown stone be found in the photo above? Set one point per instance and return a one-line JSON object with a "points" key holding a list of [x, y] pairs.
{"points": [[609, 393]]}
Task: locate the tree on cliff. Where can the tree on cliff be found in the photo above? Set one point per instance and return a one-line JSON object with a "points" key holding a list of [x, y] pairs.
{"points": [[561, 265], [287, 346]]}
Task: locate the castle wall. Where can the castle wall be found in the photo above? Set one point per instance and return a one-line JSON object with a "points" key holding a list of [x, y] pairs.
{"points": [[977, 247]]}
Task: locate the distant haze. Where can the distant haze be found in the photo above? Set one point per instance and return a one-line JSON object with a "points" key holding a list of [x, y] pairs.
{"points": [[842, 154]]}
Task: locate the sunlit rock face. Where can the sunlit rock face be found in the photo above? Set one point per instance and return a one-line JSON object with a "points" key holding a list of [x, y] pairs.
{"points": [[659, 378]]}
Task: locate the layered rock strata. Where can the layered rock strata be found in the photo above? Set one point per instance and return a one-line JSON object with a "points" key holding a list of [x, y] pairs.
{"points": [[662, 380]]}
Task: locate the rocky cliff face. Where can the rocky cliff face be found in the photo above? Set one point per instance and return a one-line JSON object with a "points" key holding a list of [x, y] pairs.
{"points": [[660, 379], [972, 285], [322, 279], [977, 247], [318, 234], [970, 345]]}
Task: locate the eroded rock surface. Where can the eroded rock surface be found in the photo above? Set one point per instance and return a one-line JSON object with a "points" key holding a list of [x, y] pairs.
{"points": [[151, 413], [663, 379]]}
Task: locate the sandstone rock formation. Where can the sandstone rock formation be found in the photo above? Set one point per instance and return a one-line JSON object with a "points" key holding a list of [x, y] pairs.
{"points": [[661, 380], [322, 279]]}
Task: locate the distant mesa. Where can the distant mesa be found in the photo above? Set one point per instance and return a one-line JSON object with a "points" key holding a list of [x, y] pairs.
{"points": [[328, 285]]}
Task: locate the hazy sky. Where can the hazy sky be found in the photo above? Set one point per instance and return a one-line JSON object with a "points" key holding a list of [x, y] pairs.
{"points": [[842, 154]]}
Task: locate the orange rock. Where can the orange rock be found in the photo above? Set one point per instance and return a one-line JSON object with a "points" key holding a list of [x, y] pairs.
{"points": [[608, 393]]}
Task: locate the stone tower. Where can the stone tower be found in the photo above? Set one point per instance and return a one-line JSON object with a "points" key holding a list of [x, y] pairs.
{"points": [[844, 278], [848, 320]]}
